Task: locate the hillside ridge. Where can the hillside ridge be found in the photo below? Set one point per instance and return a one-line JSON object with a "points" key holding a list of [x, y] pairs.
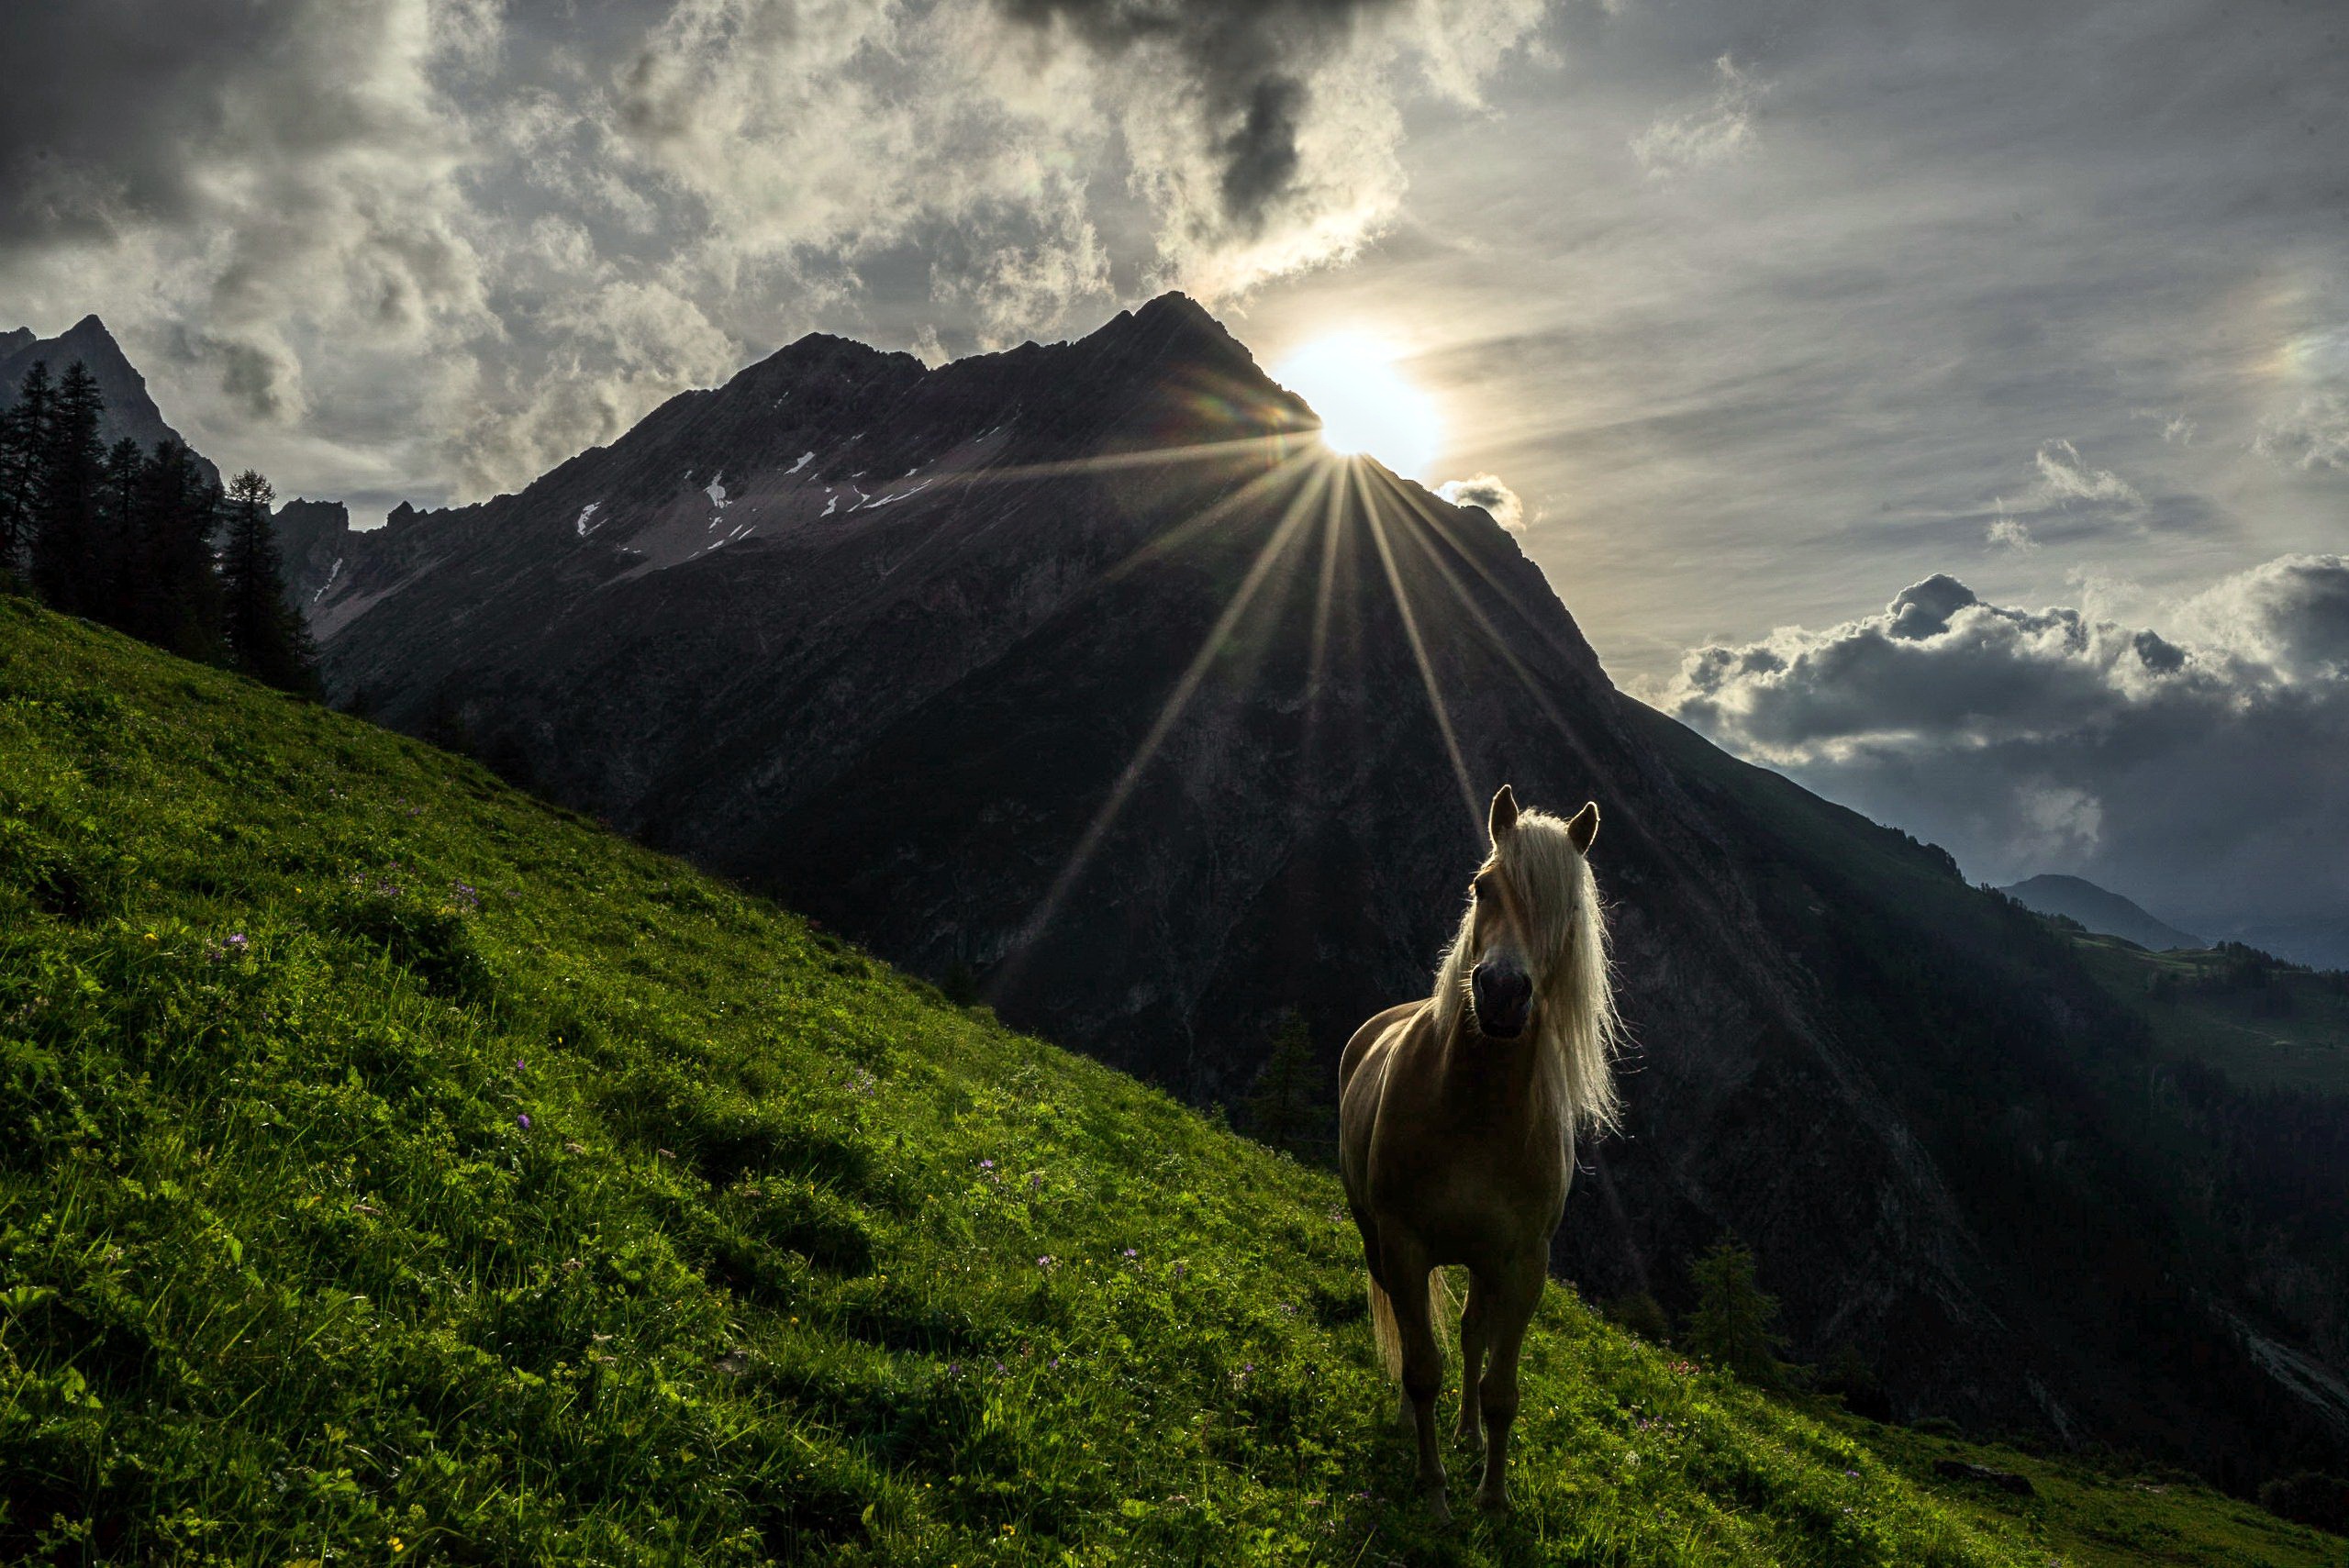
{"points": [[407, 1167]]}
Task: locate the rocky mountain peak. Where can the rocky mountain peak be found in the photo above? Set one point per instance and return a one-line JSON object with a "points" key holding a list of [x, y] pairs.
{"points": [[131, 409]]}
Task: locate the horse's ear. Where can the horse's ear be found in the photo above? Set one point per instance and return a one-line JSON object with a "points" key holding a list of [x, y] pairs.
{"points": [[1503, 820], [1584, 828]]}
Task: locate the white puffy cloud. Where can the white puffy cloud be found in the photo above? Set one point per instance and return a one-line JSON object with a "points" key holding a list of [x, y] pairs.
{"points": [[1487, 490], [2198, 775]]}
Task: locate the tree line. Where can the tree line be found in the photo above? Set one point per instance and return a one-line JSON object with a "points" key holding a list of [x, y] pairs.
{"points": [[145, 541]]}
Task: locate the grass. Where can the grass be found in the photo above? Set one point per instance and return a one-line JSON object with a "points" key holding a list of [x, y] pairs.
{"points": [[2292, 1032], [399, 1170]]}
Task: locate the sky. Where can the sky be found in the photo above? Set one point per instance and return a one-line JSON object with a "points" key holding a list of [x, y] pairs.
{"points": [[1767, 325]]}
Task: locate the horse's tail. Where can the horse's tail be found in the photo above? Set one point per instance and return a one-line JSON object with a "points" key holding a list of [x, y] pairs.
{"points": [[1443, 1306]]}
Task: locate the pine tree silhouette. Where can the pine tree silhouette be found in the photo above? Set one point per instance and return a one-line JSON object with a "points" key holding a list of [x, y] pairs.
{"points": [[72, 480], [116, 563], [177, 605], [1731, 1327], [266, 636], [1285, 1111], [22, 431]]}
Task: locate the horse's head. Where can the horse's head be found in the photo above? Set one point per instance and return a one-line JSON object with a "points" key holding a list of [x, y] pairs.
{"points": [[1528, 895]]}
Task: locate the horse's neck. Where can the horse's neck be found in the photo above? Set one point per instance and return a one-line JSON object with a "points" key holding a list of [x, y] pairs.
{"points": [[1500, 1080]]}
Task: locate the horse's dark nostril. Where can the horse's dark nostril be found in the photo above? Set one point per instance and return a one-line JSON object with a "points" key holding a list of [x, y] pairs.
{"points": [[1503, 999]]}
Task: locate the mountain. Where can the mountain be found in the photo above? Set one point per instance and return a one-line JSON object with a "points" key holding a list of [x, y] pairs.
{"points": [[400, 1136], [312, 539], [2319, 944], [2076, 899], [130, 411], [1083, 675]]}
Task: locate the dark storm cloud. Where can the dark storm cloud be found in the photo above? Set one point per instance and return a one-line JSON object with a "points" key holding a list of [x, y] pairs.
{"points": [[102, 98], [1249, 65], [2198, 773]]}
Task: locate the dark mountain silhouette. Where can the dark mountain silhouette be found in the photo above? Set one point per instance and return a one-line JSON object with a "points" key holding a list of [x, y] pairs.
{"points": [[312, 537], [2076, 898], [1084, 672], [130, 411]]}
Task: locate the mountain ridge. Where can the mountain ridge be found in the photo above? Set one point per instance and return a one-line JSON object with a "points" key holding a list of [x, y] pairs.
{"points": [[2099, 910], [1083, 670]]}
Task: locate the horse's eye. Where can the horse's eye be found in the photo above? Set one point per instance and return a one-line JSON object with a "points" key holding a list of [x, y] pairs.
{"points": [[1483, 886]]}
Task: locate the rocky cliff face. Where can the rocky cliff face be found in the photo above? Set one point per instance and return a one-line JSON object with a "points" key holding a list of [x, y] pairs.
{"points": [[313, 538], [1086, 669]]}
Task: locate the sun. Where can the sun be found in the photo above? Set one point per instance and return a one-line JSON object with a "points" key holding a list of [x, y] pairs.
{"points": [[1367, 408]]}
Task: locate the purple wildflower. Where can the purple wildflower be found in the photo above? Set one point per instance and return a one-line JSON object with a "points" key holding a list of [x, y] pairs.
{"points": [[1131, 1253], [237, 940], [1045, 1261], [523, 1121], [986, 1164]]}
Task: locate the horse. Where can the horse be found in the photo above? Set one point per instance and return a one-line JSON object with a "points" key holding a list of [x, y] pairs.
{"points": [[1457, 1117]]}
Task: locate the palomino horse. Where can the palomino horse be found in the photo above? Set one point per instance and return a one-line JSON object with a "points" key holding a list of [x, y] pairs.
{"points": [[1456, 1124]]}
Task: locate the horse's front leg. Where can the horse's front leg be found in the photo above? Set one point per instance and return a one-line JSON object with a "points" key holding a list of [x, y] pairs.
{"points": [[1422, 1371], [1470, 1429], [1516, 1293]]}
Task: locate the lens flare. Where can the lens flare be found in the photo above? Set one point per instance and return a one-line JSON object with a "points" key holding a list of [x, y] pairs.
{"points": [[1367, 408]]}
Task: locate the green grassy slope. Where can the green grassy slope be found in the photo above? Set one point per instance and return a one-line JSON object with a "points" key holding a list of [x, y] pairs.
{"points": [[2267, 1029], [393, 1169]]}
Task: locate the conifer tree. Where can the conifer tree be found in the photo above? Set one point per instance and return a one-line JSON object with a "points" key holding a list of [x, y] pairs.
{"points": [[1731, 1327], [177, 606], [23, 430], [1285, 1112], [70, 483], [117, 566], [265, 634]]}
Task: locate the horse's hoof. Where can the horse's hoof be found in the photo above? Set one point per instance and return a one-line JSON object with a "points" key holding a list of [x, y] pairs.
{"points": [[1439, 1509], [1492, 1504]]}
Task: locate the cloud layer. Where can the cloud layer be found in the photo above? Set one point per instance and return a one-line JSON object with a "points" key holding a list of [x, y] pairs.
{"points": [[2198, 771], [434, 246]]}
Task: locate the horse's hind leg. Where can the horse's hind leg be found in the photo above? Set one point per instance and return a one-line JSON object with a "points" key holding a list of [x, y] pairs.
{"points": [[1518, 1294], [1422, 1367], [1470, 1429]]}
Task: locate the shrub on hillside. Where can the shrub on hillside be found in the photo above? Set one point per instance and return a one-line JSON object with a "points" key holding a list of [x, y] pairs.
{"points": [[2319, 1501]]}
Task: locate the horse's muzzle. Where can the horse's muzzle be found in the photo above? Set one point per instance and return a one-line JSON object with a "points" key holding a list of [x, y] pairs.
{"points": [[1504, 999]]}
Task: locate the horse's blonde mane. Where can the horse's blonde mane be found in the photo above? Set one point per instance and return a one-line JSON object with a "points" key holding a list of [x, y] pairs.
{"points": [[1567, 938]]}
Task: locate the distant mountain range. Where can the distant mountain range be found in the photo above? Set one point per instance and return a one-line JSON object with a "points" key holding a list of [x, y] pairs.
{"points": [[1083, 675], [2078, 899], [130, 411]]}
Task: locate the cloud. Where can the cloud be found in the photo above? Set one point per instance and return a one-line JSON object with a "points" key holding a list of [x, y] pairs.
{"points": [[1720, 129], [440, 237], [1487, 489], [2067, 498], [2199, 773], [2313, 437]]}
